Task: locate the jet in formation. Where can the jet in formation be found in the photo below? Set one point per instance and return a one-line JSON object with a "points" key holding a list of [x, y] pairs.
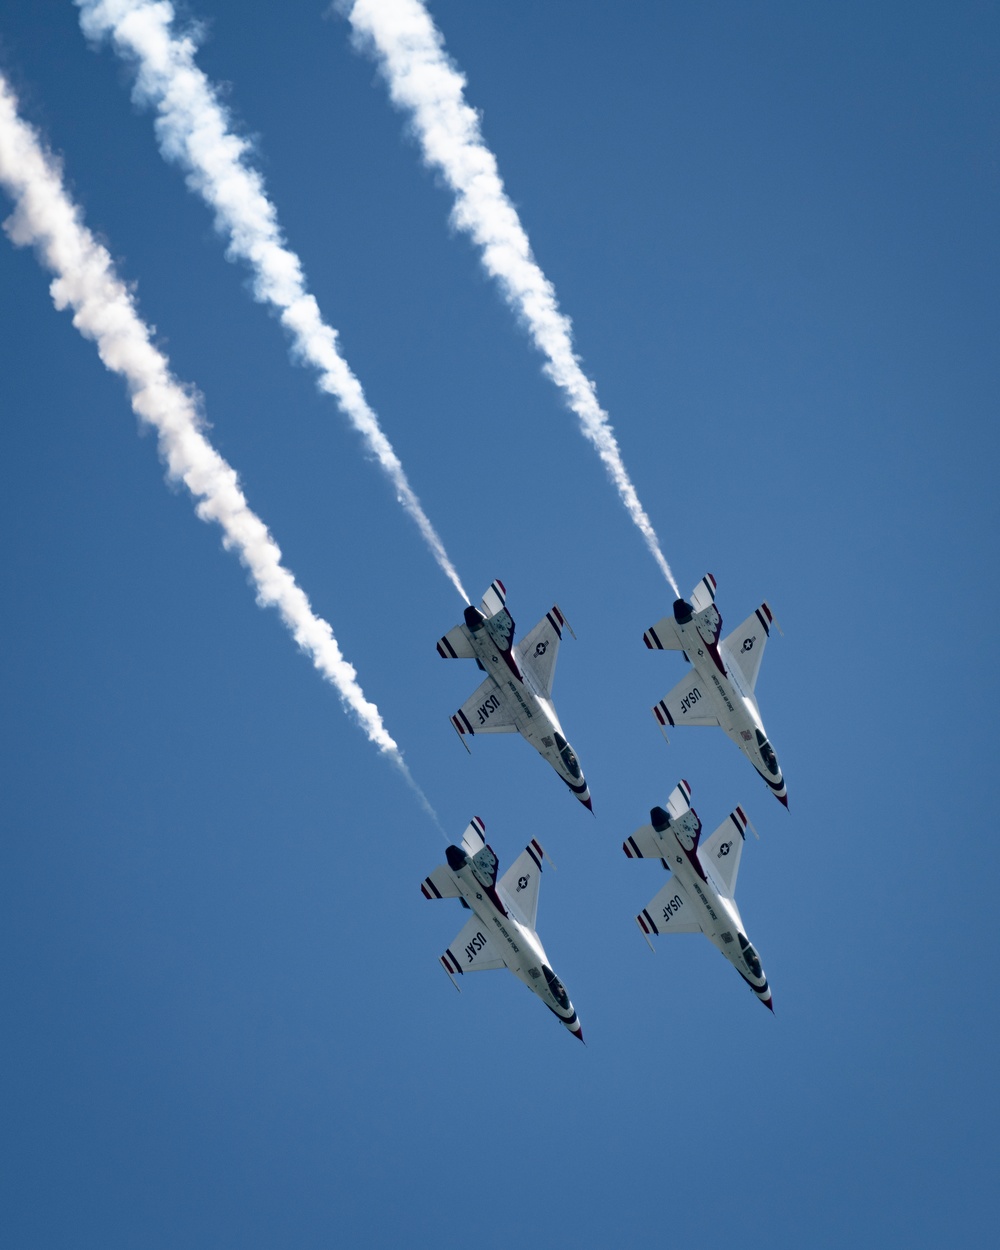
{"points": [[501, 933], [720, 689], [698, 898], [517, 693]]}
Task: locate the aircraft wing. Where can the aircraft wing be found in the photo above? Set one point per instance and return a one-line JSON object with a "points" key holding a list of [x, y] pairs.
{"points": [[518, 887], [744, 647], [440, 884], [669, 912], [686, 704], [472, 950], [455, 645], [720, 855], [537, 651], [484, 712]]}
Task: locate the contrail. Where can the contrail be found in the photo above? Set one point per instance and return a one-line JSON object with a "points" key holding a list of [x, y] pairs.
{"points": [[103, 310], [194, 131], [423, 80]]}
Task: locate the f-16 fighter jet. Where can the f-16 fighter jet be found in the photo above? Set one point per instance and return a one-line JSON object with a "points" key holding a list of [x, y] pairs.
{"points": [[720, 689], [517, 693], [699, 895], [501, 933]]}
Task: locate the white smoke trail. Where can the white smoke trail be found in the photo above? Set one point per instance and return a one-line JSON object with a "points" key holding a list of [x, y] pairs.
{"points": [[194, 131], [423, 80], [103, 310]]}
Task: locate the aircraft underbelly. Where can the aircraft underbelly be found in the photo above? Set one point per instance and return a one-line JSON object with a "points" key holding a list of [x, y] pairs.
{"points": [[708, 909], [522, 953], [518, 702], [540, 731], [724, 931], [726, 703], [502, 931]]}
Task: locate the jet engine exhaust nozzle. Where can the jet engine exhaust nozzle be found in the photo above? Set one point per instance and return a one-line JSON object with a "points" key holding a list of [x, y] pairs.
{"points": [[659, 819], [456, 858], [474, 619], [683, 611]]}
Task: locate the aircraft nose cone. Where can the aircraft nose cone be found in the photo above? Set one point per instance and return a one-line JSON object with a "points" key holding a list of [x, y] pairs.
{"points": [[768, 1003], [587, 801], [577, 1031], [783, 799]]}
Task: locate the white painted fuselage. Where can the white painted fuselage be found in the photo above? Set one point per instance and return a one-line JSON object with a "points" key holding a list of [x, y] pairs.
{"points": [[717, 688], [701, 900], [517, 944], [514, 698]]}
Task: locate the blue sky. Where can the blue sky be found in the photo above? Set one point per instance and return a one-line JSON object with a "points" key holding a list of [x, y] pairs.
{"points": [[224, 1024]]}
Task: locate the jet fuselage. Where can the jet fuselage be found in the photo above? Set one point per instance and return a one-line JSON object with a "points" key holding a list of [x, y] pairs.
{"points": [[532, 713], [734, 706], [519, 946], [717, 914]]}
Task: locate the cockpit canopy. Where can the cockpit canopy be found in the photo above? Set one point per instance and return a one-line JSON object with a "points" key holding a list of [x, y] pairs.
{"points": [[567, 756], [750, 956], [556, 988], [767, 753]]}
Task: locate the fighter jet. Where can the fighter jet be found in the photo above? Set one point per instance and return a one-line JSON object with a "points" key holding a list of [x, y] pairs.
{"points": [[501, 933], [517, 693], [720, 690], [699, 895]]}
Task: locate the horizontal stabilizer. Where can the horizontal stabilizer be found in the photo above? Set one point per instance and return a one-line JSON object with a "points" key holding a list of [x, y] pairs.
{"points": [[472, 951], [663, 636], [456, 645], [440, 884], [720, 854], [536, 654], [669, 912], [484, 712], [473, 840], [679, 801], [494, 599], [686, 704], [644, 844], [703, 595], [743, 649], [518, 887]]}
